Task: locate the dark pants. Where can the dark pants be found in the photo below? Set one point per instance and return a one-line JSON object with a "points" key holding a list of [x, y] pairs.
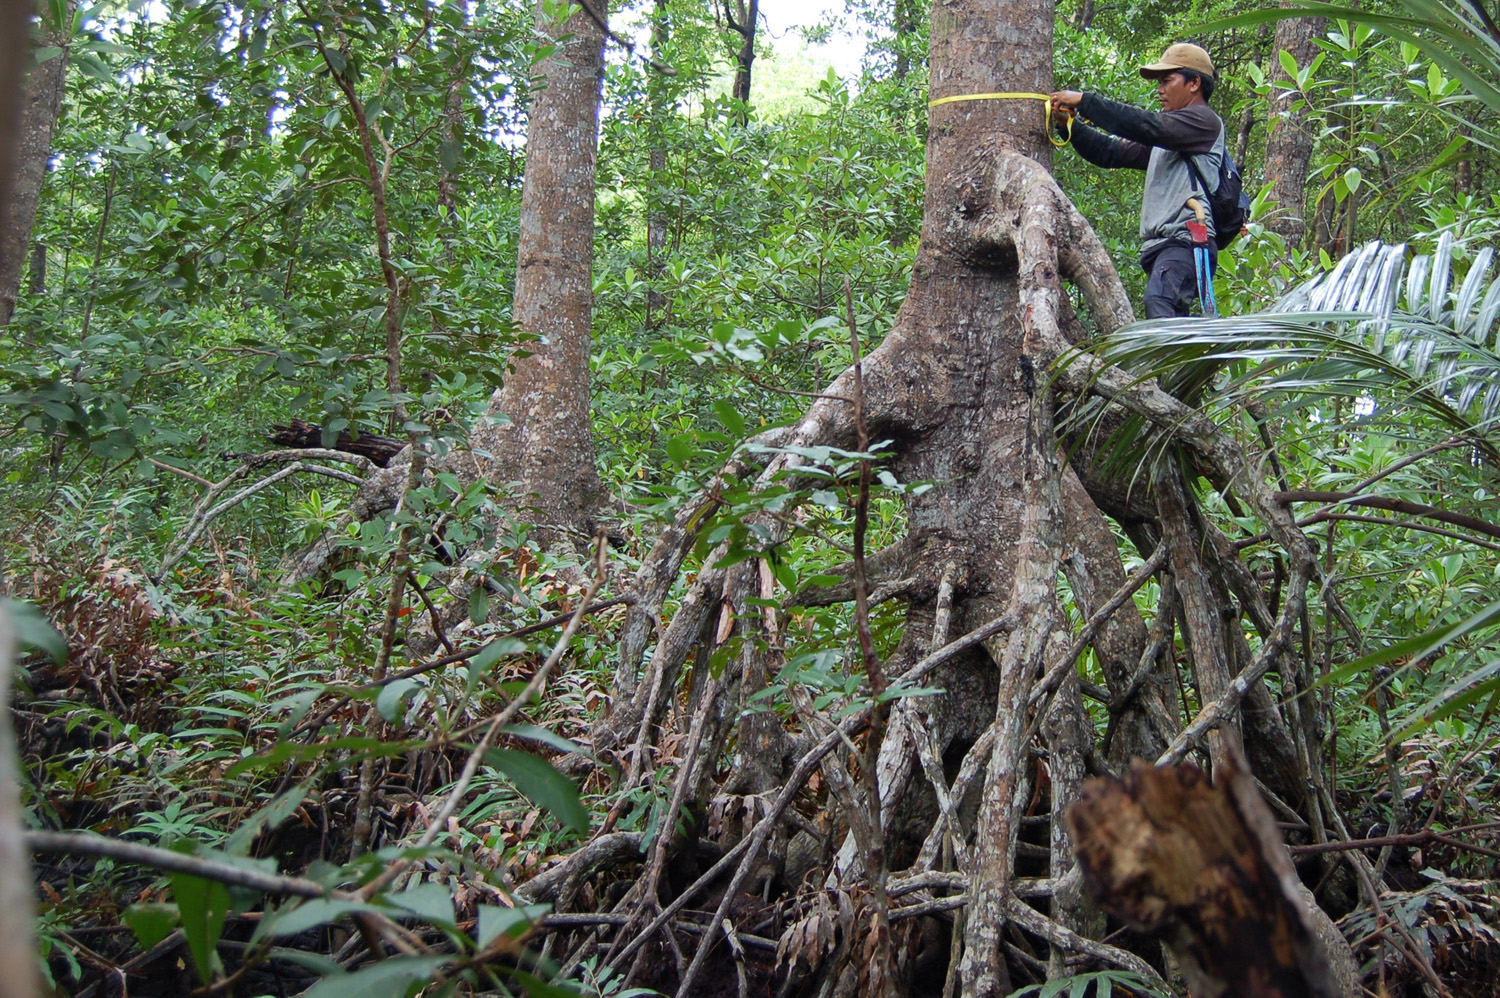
{"points": [[1172, 281]]}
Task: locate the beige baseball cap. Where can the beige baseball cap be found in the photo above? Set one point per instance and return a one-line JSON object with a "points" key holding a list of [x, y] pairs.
{"points": [[1183, 55]]}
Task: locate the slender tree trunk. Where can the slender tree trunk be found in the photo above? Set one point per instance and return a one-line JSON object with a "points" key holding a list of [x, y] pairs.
{"points": [[744, 23], [656, 216], [545, 442], [904, 21], [32, 151], [453, 135], [17, 948], [1289, 140]]}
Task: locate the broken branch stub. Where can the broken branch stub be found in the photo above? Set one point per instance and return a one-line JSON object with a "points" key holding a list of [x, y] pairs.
{"points": [[1202, 866]]}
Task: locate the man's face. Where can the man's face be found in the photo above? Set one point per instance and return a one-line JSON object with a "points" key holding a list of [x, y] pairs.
{"points": [[1175, 92]]}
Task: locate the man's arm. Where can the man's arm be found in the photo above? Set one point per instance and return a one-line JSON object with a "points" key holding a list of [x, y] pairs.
{"points": [[1107, 151], [1192, 129]]}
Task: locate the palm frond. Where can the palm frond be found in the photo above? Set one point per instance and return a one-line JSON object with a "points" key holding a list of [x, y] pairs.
{"points": [[1376, 323]]}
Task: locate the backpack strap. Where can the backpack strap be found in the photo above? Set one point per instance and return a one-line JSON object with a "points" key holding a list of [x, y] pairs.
{"points": [[1193, 168], [1192, 163]]}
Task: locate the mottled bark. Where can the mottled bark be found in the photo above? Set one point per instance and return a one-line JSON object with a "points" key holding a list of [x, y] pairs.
{"points": [[1144, 721], [17, 947], [1289, 138], [539, 432], [14, 15], [453, 135], [32, 150]]}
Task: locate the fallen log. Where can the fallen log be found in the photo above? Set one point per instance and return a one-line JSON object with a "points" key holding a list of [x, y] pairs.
{"points": [[298, 433]]}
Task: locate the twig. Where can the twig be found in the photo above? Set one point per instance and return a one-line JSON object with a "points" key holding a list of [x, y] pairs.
{"points": [[1386, 841], [462, 656], [1031, 920], [1336, 499], [180, 471], [432, 612], [660, 67], [738, 951], [205, 512]]}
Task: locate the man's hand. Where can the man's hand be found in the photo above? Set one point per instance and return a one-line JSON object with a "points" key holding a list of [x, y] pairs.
{"points": [[1066, 102]]}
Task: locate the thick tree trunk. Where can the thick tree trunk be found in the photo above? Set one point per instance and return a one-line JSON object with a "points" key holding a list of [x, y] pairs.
{"points": [[1289, 139], [14, 17], [32, 151], [542, 439]]}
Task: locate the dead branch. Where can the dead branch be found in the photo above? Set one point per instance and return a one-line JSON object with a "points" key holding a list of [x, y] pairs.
{"points": [[81, 844], [1334, 500], [207, 509]]}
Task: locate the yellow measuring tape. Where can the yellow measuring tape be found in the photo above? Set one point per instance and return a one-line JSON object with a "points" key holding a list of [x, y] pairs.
{"points": [[1015, 95]]}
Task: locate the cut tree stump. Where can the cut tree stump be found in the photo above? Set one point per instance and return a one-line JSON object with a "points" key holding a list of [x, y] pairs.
{"points": [[1204, 868]]}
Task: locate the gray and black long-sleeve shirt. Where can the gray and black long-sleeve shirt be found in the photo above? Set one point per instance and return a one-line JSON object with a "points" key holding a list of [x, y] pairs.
{"points": [[1160, 144]]}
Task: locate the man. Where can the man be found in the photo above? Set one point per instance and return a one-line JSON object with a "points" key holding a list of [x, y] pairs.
{"points": [[1160, 144]]}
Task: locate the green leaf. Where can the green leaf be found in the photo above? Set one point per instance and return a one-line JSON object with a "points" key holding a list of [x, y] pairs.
{"points": [[151, 923], [273, 814], [534, 733], [1418, 646], [314, 912], [542, 784], [493, 652], [730, 417], [393, 978], [1288, 63], [203, 906], [479, 605], [450, 153], [391, 698], [1352, 178], [535, 987], [679, 448], [430, 901], [495, 921], [34, 630], [316, 962]]}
